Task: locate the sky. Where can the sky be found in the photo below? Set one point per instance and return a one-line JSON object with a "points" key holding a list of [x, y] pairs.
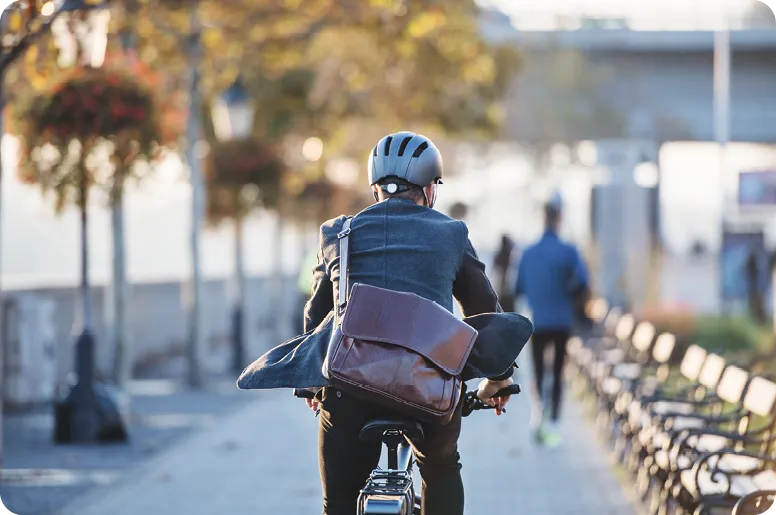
{"points": [[641, 14]]}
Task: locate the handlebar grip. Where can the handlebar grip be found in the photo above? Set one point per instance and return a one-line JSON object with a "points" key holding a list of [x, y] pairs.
{"points": [[512, 389], [301, 393]]}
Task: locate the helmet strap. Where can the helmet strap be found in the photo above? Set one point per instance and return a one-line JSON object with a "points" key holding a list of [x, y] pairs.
{"points": [[429, 204]]}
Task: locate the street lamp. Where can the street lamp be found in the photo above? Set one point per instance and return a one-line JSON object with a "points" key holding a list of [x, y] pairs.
{"points": [[232, 115], [88, 413], [81, 33], [20, 25]]}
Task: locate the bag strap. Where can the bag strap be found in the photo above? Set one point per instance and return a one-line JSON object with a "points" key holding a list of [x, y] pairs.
{"points": [[344, 265]]}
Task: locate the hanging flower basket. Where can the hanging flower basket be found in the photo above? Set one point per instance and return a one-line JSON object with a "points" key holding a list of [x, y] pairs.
{"points": [[91, 103], [86, 110], [242, 175]]}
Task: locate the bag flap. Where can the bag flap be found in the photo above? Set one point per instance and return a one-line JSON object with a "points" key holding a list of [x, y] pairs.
{"points": [[410, 321]]}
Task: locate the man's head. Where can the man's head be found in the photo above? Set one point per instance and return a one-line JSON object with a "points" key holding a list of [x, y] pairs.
{"points": [[552, 213], [405, 165]]}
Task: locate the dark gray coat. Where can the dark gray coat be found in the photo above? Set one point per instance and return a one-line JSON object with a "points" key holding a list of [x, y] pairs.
{"points": [[398, 245]]}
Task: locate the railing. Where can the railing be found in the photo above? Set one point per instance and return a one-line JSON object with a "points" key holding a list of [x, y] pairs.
{"points": [[537, 22]]}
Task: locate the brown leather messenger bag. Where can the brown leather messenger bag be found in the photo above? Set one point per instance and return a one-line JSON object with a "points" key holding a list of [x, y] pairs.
{"points": [[396, 349]]}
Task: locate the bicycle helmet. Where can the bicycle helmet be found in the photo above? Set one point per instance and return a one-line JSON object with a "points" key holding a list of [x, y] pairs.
{"points": [[403, 159]]}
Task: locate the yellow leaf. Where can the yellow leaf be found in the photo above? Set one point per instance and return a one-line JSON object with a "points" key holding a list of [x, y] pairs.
{"points": [[211, 38], [32, 54], [426, 23], [144, 26], [38, 82], [15, 21]]}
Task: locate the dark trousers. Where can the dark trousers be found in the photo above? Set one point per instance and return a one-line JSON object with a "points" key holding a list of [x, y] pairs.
{"points": [[345, 462], [540, 340]]}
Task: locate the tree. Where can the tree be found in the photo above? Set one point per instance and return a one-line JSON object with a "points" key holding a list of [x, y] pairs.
{"points": [[91, 127], [186, 39], [242, 175], [321, 67]]}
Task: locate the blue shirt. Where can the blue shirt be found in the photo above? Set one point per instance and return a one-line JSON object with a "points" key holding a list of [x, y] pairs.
{"points": [[548, 272]]}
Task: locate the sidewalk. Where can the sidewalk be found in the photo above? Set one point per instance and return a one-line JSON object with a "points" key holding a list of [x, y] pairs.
{"points": [[38, 476], [262, 459]]}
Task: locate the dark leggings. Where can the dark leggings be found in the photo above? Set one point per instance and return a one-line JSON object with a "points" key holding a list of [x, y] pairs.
{"points": [[345, 463], [540, 340]]}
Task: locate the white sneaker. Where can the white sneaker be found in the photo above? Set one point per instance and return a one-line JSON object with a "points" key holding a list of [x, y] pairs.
{"points": [[551, 435]]}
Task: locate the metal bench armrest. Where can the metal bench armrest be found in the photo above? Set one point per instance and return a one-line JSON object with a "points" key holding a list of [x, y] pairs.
{"points": [[727, 473]]}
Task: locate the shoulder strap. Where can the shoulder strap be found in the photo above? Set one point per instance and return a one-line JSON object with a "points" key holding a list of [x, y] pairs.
{"points": [[344, 265]]}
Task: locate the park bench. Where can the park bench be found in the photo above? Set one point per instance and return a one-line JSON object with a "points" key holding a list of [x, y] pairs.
{"points": [[580, 350], [589, 359], [596, 357], [656, 419], [653, 418], [744, 466], [645, 379], [618, 368], [727, 457], [635, 397]]}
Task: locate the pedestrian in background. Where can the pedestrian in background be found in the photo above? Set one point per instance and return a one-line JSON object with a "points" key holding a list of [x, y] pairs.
{"points": [[552, 276], [502, 265]]}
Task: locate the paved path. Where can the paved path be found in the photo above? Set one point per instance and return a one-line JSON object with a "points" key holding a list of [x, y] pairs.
{"points": [[262, 460]]}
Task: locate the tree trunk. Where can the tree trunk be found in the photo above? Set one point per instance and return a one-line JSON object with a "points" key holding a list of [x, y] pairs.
{"points": [[238, 314], [86, 301], [122, 363], [197, 337], [277, 299]]}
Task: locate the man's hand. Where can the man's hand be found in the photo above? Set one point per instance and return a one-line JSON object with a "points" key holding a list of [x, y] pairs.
{"points": [[313, 403], [488, 388]]}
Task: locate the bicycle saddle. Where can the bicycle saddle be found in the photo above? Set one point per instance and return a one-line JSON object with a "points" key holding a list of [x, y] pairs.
{"points": [[374, 429]]}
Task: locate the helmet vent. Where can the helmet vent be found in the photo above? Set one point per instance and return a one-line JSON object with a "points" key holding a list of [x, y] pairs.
{"points": [[404, 144], [423, 146], [388, 145], [375, 151]]}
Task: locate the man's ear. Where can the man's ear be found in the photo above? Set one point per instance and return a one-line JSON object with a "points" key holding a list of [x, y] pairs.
{"points": [[375, 190]]}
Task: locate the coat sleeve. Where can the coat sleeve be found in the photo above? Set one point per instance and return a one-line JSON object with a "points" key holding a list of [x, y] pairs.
{"points": [[321, 300]]}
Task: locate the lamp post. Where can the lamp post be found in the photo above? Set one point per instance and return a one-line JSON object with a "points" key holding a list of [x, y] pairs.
{"points": [[21, 24], [81, 34], [233, 114]]}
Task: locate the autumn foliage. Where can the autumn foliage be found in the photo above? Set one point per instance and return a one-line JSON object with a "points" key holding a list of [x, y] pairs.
{"points": [[242, 175], [85, 111]]}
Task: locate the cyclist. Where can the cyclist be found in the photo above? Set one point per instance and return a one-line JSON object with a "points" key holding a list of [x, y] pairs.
{"points": [[402, 244]]}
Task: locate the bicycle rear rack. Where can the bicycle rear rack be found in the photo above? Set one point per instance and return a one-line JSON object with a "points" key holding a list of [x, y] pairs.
{"points": [[387, 492]]}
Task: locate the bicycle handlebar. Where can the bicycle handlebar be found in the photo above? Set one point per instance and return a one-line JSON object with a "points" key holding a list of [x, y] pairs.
{"points": [[470, 401], [303, 394], [473, 403]]}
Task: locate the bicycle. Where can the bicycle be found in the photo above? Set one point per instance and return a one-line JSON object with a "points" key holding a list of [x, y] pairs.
{"points": [[391, 491]]}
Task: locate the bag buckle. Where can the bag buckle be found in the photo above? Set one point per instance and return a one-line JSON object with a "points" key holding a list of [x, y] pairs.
{"points": [[343, 233]]}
